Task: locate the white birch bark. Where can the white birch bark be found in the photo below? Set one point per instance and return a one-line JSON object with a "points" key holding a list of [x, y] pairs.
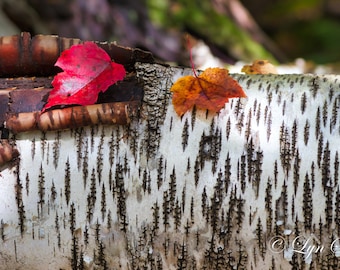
{"points": [[206, 191]]}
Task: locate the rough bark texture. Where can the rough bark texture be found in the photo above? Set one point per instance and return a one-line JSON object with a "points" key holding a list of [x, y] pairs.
{"points": [[206, 191]]}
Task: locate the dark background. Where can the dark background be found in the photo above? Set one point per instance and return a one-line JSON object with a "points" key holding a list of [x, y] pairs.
{"points": [[279, 30]]}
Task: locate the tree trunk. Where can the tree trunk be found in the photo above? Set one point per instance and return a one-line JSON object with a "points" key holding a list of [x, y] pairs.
{"points": [[253, 187]]}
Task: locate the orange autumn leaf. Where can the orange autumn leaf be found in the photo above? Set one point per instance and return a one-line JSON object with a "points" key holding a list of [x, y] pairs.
{"points": [[260, 67], [210, 90]]}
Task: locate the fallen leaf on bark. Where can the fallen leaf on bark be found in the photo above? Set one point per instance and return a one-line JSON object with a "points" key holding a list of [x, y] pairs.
{"points": [[260, 67], [88, 70], [210, 90]]}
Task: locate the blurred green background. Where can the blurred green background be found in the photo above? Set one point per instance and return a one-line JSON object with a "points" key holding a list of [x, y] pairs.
{"points": [[278, 30]]}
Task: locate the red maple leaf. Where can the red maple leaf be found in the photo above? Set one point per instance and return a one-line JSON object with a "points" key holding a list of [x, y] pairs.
{"points": [[88, 70]]}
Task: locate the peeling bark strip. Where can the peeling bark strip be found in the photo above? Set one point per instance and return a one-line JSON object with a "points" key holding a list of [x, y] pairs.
{"points": [[7, 152], [73, 117], [21, 55], [231, 190]]}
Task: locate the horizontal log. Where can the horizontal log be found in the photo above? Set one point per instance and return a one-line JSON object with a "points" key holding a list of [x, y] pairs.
{"points": [[237, 188], [73, 117], [23, 55]]}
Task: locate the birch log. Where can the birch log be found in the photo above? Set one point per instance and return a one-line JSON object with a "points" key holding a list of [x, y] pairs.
{"points": [[253, 187]]}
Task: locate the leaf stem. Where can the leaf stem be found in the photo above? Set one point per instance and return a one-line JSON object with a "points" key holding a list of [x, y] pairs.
{"points": [[190, 52]]}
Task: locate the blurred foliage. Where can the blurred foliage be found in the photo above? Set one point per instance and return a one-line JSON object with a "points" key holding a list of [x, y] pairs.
{"points": [[317, 40], [308, 29], [200, 18], [283, 11]]}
